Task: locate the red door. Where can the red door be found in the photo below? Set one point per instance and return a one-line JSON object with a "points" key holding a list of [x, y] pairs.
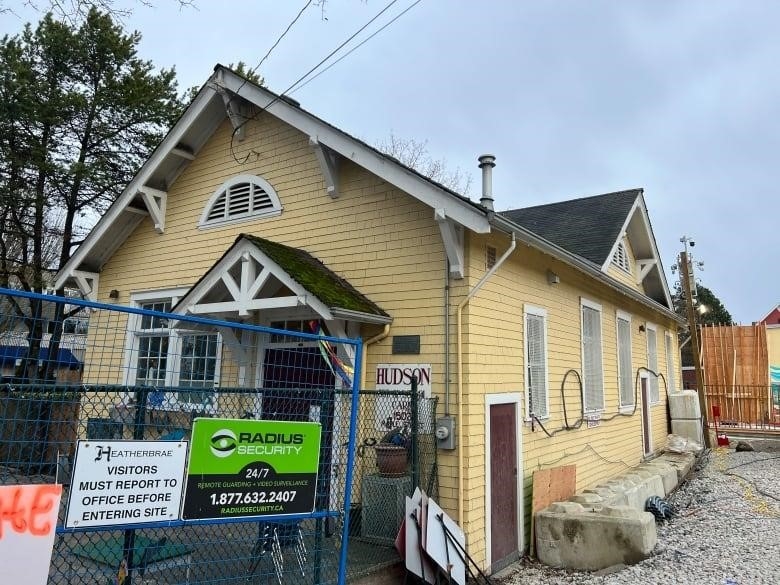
{"points": [[503, 486]]}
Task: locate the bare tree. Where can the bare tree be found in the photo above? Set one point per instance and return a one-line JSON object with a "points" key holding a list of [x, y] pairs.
{"points": [[414, 153]]}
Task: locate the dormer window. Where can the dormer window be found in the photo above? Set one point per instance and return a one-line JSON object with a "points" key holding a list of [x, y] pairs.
{"points": [[620, 258], [241, 198]]}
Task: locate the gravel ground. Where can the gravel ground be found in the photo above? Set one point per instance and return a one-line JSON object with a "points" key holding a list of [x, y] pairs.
{"points": [[727, 531]]}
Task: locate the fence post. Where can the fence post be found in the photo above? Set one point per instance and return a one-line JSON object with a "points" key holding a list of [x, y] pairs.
{"points": [[141, 395], [415, 401]]}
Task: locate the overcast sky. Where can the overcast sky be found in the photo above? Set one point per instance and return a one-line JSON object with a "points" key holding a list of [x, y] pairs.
{"points": [[574, 98]]}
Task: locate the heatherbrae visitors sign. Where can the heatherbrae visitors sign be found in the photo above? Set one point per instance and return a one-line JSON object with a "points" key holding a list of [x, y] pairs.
{"points": [[126, 482], [243, 468]]}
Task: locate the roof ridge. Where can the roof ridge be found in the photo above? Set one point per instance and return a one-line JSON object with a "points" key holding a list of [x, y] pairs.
{"points": [[635, 190]]}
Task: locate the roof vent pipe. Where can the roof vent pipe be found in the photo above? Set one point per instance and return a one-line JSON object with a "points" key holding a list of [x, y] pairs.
{"points": [[486, 163]]}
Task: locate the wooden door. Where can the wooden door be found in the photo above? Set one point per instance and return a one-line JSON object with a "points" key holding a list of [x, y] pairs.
{"points": [[503, 486]]}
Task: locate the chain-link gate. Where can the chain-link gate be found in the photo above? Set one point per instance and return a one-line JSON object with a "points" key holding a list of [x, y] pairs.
{"points": [[79, 375]]}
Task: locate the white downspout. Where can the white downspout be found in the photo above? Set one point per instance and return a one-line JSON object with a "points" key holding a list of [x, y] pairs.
{"points": [[460, 424]]}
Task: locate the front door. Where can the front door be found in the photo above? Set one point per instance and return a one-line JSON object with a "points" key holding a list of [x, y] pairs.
{"points": [[647, 443], [503, 486]]}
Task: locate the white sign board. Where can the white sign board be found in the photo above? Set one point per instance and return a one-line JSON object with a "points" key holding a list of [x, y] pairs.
{"points": [[395, 411], [28, 518], [126, 482]]}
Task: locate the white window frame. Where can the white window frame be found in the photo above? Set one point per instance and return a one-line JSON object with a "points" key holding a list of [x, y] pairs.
{"points": [[205, 223], [671, 381], [134, 335], [653, 383], [620, 257], [585, 303], [625, 407], [537, 312]]}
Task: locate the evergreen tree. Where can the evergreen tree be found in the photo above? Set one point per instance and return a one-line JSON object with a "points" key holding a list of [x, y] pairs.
{"points": [[79, 113], [709, 311]]}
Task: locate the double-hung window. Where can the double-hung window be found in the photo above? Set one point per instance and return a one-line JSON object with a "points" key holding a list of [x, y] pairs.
{"points": [[536, 362], [652, 363], [625, 375], [670, 376], [165, 357], [592, 365]]}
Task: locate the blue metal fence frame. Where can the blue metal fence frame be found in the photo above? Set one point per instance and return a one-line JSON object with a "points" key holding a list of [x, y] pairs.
{"points": [[357, 343]]}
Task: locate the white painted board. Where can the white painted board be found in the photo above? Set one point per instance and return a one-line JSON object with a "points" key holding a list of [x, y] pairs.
{"points": [[441, 550], [126, 482], [417, 562], [28, 519]]}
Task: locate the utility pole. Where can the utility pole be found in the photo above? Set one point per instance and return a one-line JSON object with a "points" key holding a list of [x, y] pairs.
{"points": [[685, 276]]}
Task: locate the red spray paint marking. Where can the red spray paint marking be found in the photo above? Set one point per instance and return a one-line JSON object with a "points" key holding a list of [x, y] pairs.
{"points": [[26, 508]]}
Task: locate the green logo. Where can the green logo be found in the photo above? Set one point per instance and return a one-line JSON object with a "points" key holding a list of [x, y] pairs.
{"points": [[223, 443]]}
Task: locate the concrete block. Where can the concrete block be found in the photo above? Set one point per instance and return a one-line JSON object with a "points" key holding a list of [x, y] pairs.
{"points": [[666, 472], [594, 541], [690, 429], [684, 405], [588, 501], [565, 508], [682, 462]]}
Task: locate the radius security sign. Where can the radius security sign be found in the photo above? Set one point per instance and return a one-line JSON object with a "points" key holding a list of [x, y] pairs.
{"points": [[243, 467]]}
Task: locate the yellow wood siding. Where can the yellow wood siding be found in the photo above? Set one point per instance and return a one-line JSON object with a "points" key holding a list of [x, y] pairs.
{"points": [[494, 362], [773, 344]]}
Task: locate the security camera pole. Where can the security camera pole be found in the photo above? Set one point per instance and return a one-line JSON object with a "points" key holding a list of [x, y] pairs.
{"points": [[685, 276]]}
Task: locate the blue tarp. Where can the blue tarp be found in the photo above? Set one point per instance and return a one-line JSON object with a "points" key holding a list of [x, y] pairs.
{"points": [[774, 374], [10, 353]]}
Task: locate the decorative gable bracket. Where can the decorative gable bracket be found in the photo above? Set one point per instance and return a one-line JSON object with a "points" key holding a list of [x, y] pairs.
{"points": [[156, 201], [238, 111], [329, 164], [246, 296], [452, 236], [645, 266], [87, 283]]}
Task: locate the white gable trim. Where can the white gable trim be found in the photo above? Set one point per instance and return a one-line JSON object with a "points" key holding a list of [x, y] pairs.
{"points": [[156, 202], [452, 236], [621, 235], [396, 174], [244, 294], [329, 166], [138, 183], [645, 265]]}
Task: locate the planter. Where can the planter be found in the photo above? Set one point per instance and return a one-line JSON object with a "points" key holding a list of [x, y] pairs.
{"points": [[390, 460]]}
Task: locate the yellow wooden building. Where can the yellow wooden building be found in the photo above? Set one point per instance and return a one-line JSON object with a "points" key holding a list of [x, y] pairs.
{"points": [[541, 327]]}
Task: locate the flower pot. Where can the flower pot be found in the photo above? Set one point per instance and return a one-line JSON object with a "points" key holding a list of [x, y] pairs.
{"points": [[390, 460]]}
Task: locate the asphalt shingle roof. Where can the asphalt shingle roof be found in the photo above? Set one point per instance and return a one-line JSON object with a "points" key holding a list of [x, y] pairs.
{"points": [[587, 227]]}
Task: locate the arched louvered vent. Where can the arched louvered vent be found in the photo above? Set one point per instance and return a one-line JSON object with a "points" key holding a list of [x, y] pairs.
{"points": [[241, 198]]}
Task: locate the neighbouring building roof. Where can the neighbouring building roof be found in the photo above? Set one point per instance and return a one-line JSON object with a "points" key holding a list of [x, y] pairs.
{"points": [[10, 353], [587, 227]]}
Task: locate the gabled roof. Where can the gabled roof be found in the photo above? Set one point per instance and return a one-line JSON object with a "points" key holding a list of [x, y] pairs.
{"points": [[590, 228], [770, 312], [587, 227], [279, 276], [146, 194], [147, 191]]}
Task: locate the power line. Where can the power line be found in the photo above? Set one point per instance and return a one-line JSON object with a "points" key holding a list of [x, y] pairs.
{"points": [[364, 41], [297, 81], [279, 40]]}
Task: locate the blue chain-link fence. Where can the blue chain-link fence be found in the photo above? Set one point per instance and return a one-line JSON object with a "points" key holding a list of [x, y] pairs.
{"points": [[85, 381]]}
